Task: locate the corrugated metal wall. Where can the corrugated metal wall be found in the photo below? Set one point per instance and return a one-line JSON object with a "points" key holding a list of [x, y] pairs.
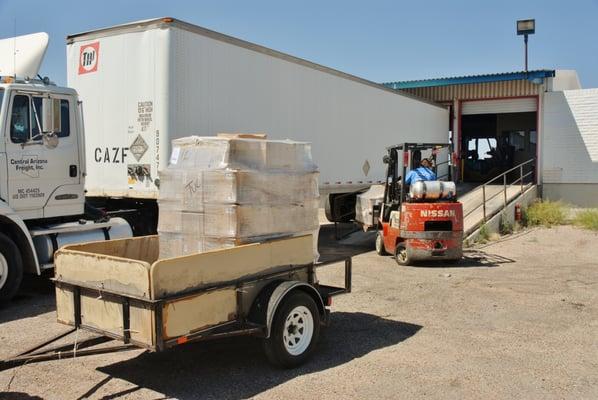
{"points": [[477, 90]]}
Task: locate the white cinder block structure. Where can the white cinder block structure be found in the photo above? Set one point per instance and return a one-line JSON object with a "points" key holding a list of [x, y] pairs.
{"points": [[570, 150], [146, 83], [499, 121]]}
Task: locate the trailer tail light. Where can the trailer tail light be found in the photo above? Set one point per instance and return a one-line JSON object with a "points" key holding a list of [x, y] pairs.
{"points": [[329, 301], [406, 158], [182, 340]]}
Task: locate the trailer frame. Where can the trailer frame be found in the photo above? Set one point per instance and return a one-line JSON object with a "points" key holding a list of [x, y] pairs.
{"points": [[240, 326]]}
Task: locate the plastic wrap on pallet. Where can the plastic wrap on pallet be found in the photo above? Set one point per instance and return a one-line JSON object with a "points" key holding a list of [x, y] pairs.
{"points": [[221, 192], [241, 221], [192, 189], [207, 153], [364, 205], [179, 244]]}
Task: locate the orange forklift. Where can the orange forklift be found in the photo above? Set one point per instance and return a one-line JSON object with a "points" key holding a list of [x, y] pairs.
{"points": [[422, 221]]}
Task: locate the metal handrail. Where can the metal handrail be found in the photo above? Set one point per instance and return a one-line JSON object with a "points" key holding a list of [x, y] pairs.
{"points": [[519, 180]]}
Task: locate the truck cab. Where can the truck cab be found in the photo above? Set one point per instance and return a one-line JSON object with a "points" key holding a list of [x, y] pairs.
{"points": [[41, 151], [42, 168]]}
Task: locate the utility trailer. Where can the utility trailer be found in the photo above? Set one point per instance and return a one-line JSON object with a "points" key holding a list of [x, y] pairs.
{"points": [[120, 289]]}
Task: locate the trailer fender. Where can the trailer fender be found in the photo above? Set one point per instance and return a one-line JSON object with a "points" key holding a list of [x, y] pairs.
{"points": [[14, 226], [273, 295]]}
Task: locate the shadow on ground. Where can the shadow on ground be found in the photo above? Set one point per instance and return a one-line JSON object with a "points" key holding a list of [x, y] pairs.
{"points": [[237, 368], [35, 297], [18, 396], [477, 258], [471, 258], [351, 242]]}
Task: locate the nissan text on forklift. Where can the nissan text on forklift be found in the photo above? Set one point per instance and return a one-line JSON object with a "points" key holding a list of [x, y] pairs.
{"points": [[422, 221]]}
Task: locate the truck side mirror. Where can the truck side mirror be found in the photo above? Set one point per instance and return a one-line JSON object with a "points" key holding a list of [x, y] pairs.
{"points": [[51, 115]]}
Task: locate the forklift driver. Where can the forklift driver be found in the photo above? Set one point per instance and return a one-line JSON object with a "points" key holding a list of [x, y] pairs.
{"points": [[422, 173]]}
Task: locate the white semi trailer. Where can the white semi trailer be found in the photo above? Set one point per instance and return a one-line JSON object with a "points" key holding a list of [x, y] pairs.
{"points": [[146, 83]]}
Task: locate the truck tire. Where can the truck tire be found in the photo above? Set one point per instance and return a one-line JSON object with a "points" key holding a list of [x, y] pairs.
{"points": [[380, 250], [11, 268], [295, 331], [401, 256]]}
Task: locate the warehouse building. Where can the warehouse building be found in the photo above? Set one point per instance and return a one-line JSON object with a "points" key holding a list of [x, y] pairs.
{"points": [[542, 121]]}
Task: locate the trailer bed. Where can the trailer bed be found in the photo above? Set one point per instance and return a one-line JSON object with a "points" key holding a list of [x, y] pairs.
{"points": [[121, 289]]}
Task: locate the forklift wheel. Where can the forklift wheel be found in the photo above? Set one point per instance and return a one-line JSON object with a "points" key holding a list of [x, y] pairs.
{"points": [[401, 255], [380, 250]]}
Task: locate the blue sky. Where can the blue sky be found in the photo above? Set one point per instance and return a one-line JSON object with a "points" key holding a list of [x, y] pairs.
{"points": [[377, 40]]}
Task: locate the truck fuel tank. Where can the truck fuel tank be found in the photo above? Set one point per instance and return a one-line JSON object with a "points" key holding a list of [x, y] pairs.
{"points": [[52, 237]]}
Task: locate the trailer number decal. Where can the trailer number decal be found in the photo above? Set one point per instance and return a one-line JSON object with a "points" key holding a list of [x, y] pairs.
{"points": [[437, 213], [89, 55], [107, 155]]}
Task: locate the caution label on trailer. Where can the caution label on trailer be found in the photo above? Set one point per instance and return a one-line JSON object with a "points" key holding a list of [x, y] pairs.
{"points": [[138, 147]]}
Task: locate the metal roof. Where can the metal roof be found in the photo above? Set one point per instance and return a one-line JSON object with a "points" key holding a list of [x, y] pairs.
{"points": [[536, 76]]}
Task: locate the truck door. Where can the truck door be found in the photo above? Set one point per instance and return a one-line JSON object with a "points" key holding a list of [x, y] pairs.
{"points": [[44, 181]]}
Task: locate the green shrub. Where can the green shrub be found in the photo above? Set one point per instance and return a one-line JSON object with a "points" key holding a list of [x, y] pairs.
{"points": [[484, 234], [546, 213], [505, 227], [587, 219]]}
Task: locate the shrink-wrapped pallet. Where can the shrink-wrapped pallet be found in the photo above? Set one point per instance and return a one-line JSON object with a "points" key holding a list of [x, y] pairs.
{"points": [[222, 192], [190, 190], [364, 205]]}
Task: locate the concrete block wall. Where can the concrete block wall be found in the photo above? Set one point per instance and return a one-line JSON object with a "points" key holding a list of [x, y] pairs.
{"points": [[570, 146]]}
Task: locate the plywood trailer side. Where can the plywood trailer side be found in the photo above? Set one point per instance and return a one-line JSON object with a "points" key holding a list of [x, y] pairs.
{"points": [[196, 81]]}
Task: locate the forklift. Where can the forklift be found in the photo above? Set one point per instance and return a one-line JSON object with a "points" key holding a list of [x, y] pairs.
{"points": [[422, 221]]}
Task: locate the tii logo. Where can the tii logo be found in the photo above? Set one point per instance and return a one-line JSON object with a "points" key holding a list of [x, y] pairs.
{"points": [[437, 213], [88, 58]]}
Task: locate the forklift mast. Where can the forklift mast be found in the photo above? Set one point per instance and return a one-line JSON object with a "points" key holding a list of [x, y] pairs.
{"points": [[395, 190]]}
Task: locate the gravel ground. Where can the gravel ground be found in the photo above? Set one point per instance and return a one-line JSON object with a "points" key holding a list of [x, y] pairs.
{"points": [[517, 319]]}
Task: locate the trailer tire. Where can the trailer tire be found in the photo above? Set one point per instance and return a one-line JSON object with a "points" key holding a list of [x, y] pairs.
{"points": [[380, 250], [11, 268], [401, 256], [295, 331]]}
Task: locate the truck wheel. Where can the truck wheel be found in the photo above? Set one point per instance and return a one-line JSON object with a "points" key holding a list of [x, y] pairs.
{"points": [[380, 250], [11, 268], [401, 255], [295, 331]]}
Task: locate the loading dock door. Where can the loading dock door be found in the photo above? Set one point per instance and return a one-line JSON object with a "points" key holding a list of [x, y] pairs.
{"points": [[497, 135], [528, 104]]}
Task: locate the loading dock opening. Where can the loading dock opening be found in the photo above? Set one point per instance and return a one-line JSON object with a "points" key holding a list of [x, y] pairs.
{"points": [[494, 143]]}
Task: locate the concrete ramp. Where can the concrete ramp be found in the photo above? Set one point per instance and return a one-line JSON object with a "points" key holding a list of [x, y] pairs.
{"points": [[497, 197]]}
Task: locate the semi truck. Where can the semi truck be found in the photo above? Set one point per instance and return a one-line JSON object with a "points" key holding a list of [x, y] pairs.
{"points": [[140, 85]]}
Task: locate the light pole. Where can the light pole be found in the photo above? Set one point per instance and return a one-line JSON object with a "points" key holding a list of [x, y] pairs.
{"points": [[526, 27]]}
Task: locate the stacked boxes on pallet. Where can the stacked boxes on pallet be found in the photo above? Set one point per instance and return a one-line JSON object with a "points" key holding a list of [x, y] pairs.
{"points": [[224, 191]]}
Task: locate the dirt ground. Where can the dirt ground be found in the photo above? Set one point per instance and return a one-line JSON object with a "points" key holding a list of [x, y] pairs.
{"points": [[517, 318]]}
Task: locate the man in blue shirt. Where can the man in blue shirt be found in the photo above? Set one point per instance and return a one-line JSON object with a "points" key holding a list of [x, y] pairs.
{"points": [[421, 173]]}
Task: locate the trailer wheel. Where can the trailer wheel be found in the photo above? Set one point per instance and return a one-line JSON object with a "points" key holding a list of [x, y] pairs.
{"points": [[401, 255], [295, 331], [380, 250], [11, 268]]}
